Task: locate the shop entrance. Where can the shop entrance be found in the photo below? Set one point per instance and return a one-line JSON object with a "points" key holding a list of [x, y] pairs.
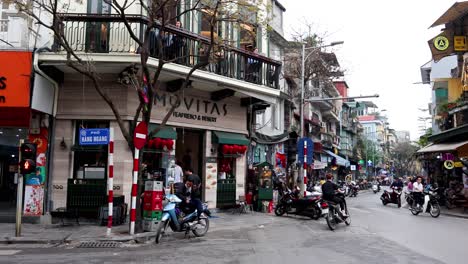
{"points": [[189, 149], [9, 141]]}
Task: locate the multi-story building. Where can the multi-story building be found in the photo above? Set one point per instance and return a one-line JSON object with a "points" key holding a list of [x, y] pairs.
{"points": [[402, 136], [215, 110], [447, 75]]}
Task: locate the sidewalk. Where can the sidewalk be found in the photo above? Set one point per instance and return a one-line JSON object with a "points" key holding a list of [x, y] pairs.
{"points": [[55, 234], [456, 212]]}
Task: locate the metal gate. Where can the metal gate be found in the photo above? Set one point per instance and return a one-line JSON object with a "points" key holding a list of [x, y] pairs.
{"points": [[226, 194]]}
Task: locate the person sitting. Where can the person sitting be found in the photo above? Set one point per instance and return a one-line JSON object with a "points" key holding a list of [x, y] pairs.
{"points": [[329, 190]]}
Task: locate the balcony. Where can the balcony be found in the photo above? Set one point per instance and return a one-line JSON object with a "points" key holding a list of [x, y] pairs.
{"points": [[323, 105], [108, 34], [331, 114]]}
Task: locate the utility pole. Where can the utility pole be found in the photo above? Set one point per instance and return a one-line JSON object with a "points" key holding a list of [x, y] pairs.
{"points": [[19, 194]]}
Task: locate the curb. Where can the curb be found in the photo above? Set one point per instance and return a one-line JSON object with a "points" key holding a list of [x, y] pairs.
{"points": [[21, 240], [455, 215]]}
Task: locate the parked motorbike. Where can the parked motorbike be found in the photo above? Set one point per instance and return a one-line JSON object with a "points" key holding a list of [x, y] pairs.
{"points": [[392, 197], [453, 197], [291, 203], [334, 216], [180, 217], [430, 206]]}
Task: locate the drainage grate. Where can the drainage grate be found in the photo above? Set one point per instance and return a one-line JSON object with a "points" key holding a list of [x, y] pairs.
{"points": [[99, 245]]}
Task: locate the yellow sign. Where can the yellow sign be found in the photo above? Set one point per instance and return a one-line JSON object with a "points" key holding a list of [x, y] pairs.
{"points": [[449, 164], [459, 43], [458, 164], [441, 43]]}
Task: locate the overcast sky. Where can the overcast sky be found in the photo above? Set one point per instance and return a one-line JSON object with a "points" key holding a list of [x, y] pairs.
{"points": [[385, 43]]}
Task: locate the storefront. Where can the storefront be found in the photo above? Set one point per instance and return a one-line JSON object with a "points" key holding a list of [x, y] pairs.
{"points": [[194, 137]]}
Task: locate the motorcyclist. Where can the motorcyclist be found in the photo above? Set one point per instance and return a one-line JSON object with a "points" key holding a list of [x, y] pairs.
{"points": [[191, 191], [397, 184], [329, 190], [418, 191]]}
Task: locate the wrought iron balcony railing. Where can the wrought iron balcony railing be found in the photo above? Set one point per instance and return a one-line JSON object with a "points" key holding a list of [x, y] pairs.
{"points": [[94, 33]]}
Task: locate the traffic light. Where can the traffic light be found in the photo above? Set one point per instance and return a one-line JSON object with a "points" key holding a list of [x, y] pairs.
{"points": [[28, 158]]}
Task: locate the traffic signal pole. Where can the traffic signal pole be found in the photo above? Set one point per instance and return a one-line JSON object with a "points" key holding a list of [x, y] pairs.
{"points": [[19, 194]]}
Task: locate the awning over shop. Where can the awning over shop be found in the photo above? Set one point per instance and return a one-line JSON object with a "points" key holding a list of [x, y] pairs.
{"points": [[230, 138], [339, 160], [265, 139], [165, 132], [441, 147]]}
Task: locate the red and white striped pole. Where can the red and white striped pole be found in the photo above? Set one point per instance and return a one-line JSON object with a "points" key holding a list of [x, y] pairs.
{"points": [[305, 168], [110, 180], [134, 191]]}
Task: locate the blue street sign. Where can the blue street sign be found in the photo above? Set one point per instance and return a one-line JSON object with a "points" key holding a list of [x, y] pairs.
{"points": [[94, 136], [310, 150]]}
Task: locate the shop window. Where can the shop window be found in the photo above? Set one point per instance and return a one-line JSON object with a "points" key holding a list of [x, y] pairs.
{"points": [[227, 168], [90, 161]]}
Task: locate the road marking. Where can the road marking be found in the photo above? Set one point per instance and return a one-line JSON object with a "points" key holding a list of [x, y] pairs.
{"points": [[8, 252]]}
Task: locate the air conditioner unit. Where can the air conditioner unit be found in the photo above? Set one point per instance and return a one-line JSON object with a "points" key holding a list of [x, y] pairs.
{"points": [[323, 124]]}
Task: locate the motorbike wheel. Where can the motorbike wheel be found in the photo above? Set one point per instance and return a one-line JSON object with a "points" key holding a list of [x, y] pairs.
{"points": [[202, 227], [399, 203], [384, 202], [435, 210], [414, 211], [161, 230], [375, 192], [348, 219], [280, 210], [331, 219]]}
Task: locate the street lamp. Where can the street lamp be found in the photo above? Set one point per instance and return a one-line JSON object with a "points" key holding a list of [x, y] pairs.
{"points": [[304, 58]]}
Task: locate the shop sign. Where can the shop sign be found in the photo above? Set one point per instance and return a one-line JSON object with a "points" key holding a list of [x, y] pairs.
{"points": [[459, 43], [449, 164], [353, 167], [319, 165], [195, 109], [15, 71], [441, 45], [94, 136]]}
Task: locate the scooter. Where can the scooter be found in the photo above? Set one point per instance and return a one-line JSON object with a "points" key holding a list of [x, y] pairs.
{"points": [[334, 216], [392, 197], [354, 190], [182, 218], [291, 203], [430, 206], [375, 188]]}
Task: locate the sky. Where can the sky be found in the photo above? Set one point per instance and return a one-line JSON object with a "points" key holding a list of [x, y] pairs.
{"points": [[385, 44]]}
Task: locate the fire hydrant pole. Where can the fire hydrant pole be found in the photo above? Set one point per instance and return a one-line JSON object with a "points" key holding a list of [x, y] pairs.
{"points": [[19, 194]]}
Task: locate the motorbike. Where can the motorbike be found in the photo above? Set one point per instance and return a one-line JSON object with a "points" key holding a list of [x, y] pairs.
{"points": [[354, 190], [430, 206], [182, 218], [291, 203], [375, 188], [392, 197], [453, 197], [334, 215]]}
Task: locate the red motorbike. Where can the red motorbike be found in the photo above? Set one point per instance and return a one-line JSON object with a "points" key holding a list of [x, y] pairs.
{"points": [[392, 197]]}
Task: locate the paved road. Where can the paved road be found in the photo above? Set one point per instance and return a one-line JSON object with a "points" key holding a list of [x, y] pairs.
{"points": [[377, 234]]}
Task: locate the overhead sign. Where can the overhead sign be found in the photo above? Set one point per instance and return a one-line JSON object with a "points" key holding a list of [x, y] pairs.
{"points": [[94, 136], [141, 133], [310, 150], [459, 43]]}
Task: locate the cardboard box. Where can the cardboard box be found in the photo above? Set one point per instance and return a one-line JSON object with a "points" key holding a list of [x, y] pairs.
{"points": [[154, 186]]}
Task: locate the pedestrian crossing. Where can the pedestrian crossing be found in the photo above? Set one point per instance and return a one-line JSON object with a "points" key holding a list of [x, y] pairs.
{"points": [[8, 252]]}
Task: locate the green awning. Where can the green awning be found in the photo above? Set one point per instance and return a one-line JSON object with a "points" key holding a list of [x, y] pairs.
{"points": [[165, 132], [230, 138]]}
